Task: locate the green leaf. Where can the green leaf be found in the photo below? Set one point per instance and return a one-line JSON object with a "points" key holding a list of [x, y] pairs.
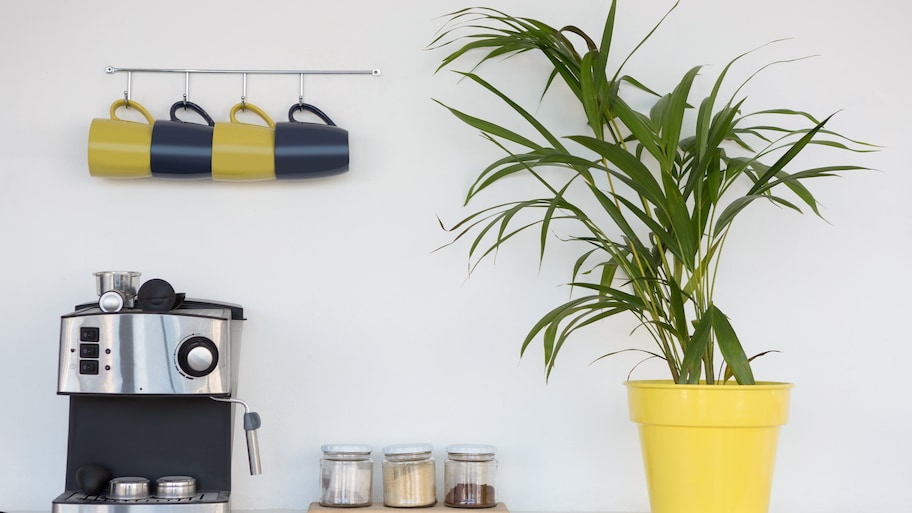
{"points": [[546, 220], [664, 200], [589, 95], [607, 36], [730, 211], [630, 169], [641, 130], [683, 230], [659, 110], [642, 41], [491, 128], [554, 141], [728, 371], [678, 317], [696, 348], [673, 115], [787, 157], [730, 347], [666, 238], [549, 325]]}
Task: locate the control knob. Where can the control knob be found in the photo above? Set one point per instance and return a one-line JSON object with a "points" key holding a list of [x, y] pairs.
{"points": [[197, 356]]}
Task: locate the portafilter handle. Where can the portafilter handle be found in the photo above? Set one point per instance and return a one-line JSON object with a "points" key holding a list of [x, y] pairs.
{"points": [[251, 424]]}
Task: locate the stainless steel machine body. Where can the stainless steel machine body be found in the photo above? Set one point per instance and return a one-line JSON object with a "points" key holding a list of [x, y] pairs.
{"points": [[151, 396], [184, 351]]}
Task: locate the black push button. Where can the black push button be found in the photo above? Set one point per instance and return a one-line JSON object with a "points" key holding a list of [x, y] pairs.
{"points": [[88, 334], [88, 350], [88, 366]]}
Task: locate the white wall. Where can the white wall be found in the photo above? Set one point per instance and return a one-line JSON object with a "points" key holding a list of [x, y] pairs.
{"points": [[358, 332]]}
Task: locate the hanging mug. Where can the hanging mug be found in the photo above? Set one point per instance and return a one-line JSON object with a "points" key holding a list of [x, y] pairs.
{"points": [[309, 150], [181, 149], [119, 148], [243, 151]]}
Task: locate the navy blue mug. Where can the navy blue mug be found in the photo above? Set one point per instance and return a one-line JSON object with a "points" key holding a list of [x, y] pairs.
{"points": [[309, 150], [181, 149]]}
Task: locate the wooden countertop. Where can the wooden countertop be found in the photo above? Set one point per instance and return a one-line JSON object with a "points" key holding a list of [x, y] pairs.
{"points": [[380, 508]]}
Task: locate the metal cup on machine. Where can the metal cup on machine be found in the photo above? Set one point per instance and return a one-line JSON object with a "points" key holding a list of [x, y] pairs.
{"points": [[116, 289]]}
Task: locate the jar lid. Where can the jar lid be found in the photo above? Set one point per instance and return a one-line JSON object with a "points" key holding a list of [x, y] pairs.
{"points": [[470, 449], [347, 448], [408, 448]]}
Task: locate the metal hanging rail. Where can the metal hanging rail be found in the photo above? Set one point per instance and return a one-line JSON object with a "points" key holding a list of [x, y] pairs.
{"points": [[375, 72], [187, 72]]}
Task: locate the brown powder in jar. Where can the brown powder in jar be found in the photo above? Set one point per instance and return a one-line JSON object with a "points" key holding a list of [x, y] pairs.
{"points": [[471, 496]]}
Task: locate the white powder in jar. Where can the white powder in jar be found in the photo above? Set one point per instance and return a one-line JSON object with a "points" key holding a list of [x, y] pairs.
{"points": [[346, 483], [347, 475]]}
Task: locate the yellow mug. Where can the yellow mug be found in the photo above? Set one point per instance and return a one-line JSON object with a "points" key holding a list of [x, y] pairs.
{"points": [[243, 152], [119, 148]]}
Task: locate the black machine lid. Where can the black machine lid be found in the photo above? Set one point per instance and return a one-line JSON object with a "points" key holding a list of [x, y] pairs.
{"points": [[237, 311], [157, 295]]}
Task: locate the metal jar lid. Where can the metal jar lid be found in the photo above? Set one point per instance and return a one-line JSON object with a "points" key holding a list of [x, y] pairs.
{"points": [[347, 448], [470, 449], [346, 451], [408, 449], [408, 452]]}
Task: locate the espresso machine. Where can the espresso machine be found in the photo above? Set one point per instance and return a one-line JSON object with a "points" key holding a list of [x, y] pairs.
{"points": [[151, 377]]}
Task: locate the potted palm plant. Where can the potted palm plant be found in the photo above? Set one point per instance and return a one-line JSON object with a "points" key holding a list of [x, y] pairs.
{"points": [[648, 196]]}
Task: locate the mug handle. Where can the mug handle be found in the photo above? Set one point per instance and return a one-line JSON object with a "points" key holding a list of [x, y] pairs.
{"points": [[123, 103], [306, 106], [256, 110], [192, 106]]}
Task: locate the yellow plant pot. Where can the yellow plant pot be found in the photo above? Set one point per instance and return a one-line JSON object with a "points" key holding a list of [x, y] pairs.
{"points": [[708, 448]]}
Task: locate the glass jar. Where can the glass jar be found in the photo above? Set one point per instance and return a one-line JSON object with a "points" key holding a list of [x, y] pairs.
{"points": [[409, 477], [468, 475], [347, 475]]}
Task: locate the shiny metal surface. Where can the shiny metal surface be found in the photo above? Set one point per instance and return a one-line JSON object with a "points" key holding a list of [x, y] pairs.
{"points": [[136, 352], [111, 301], [200, 358], [175, 487], [375, 71], [251, 424], [253, 452], [202, 502], [125, 282], [128, 488]]}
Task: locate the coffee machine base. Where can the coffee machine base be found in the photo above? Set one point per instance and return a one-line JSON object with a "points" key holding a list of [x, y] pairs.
{"points": [[203, 502]]}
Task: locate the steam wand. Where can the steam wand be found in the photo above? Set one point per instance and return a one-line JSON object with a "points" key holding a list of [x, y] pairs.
{"points": [[251, 424]]}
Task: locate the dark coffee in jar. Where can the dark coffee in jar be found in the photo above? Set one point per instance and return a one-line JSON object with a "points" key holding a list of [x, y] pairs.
{"points": [[469, 473]]}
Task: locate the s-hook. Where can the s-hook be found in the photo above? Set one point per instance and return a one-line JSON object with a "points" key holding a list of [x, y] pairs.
{"points": [[244, 94], [186, 89], [129, 90]]}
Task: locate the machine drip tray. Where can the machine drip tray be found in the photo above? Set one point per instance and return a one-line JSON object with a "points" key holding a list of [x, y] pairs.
{"points": [[202, 502]]}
